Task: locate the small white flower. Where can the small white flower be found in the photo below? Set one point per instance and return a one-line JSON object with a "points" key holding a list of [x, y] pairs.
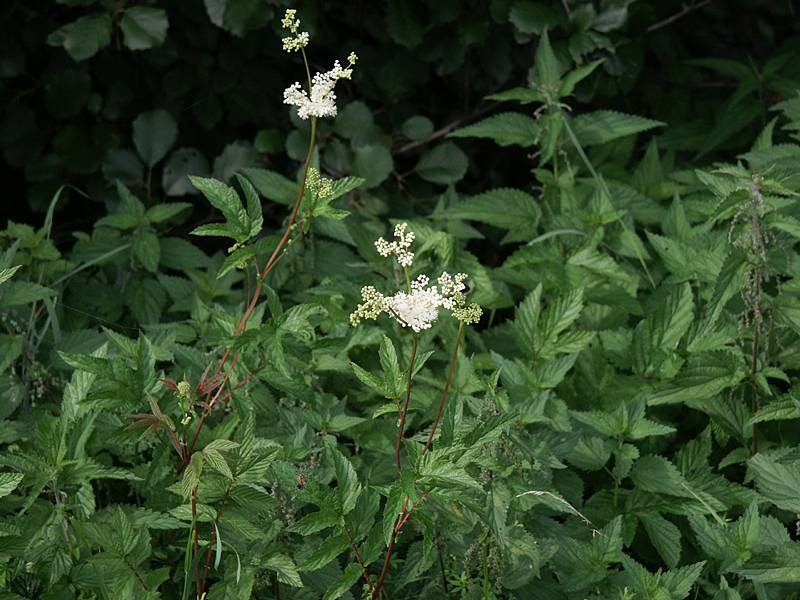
{"points": [[322, 100], [417, 310], [292, 44]]}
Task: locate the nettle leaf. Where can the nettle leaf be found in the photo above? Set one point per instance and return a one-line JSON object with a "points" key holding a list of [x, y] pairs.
{"points": [[658, 475], [9, 482], [505, 129], [704, 376], [603, 126], [779, 483], [660, 333], [505, 208], [665, 536], [547, 69]]}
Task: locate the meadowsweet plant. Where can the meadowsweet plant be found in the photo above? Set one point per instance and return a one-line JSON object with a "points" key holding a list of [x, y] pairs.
{"points": [[224, 375], [417, 308]]}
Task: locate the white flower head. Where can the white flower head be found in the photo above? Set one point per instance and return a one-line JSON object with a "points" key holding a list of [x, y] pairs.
{"points": [[418, 309], [399, 247], [418, 306], [322, 100]]}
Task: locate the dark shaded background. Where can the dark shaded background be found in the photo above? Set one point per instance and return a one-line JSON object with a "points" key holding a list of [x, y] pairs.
{"points": [[60, 119]]}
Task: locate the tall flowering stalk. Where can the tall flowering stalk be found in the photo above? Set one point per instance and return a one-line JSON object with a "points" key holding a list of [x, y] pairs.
{"points": [[416, 307], [317, 101]]}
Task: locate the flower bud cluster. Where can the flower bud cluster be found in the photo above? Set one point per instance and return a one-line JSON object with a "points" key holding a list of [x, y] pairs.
{"points": [[320, 186], [298, 39]]}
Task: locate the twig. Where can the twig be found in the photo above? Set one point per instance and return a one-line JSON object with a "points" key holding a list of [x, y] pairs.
{"points": [[671, 19], [439, 133]]}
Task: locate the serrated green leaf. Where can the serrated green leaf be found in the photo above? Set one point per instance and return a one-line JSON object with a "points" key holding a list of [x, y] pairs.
{"points": [[665, 536], [602, 126], [9, 482], [505, 129], [344, 582]]}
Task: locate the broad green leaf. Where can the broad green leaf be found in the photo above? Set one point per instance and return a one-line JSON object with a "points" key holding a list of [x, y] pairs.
{"points": [[273, 186], [10, 350], [163, 212], [84, 37], [417, 127], [144, 27], [445, 164], [16, 293], [344, 582], [154, 133], [372, 163], [285, 569], [533, 17], [325, 553], [314, 522], [180, 164]]}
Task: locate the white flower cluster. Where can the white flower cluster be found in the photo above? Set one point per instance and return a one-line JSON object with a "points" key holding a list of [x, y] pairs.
{"points": [[321, 102], [399, 247], [418, 307], [298, 39]]}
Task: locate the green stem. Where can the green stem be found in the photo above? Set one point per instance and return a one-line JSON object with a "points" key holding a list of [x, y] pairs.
{"points": [[443, 399], [404, 411]]}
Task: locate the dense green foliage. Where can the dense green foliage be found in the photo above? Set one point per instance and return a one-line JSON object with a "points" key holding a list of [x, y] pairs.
{"points": [[188, 409]]}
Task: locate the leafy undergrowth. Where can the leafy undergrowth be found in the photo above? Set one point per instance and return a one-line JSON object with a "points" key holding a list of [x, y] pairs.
{"points": [[579, 388]]}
